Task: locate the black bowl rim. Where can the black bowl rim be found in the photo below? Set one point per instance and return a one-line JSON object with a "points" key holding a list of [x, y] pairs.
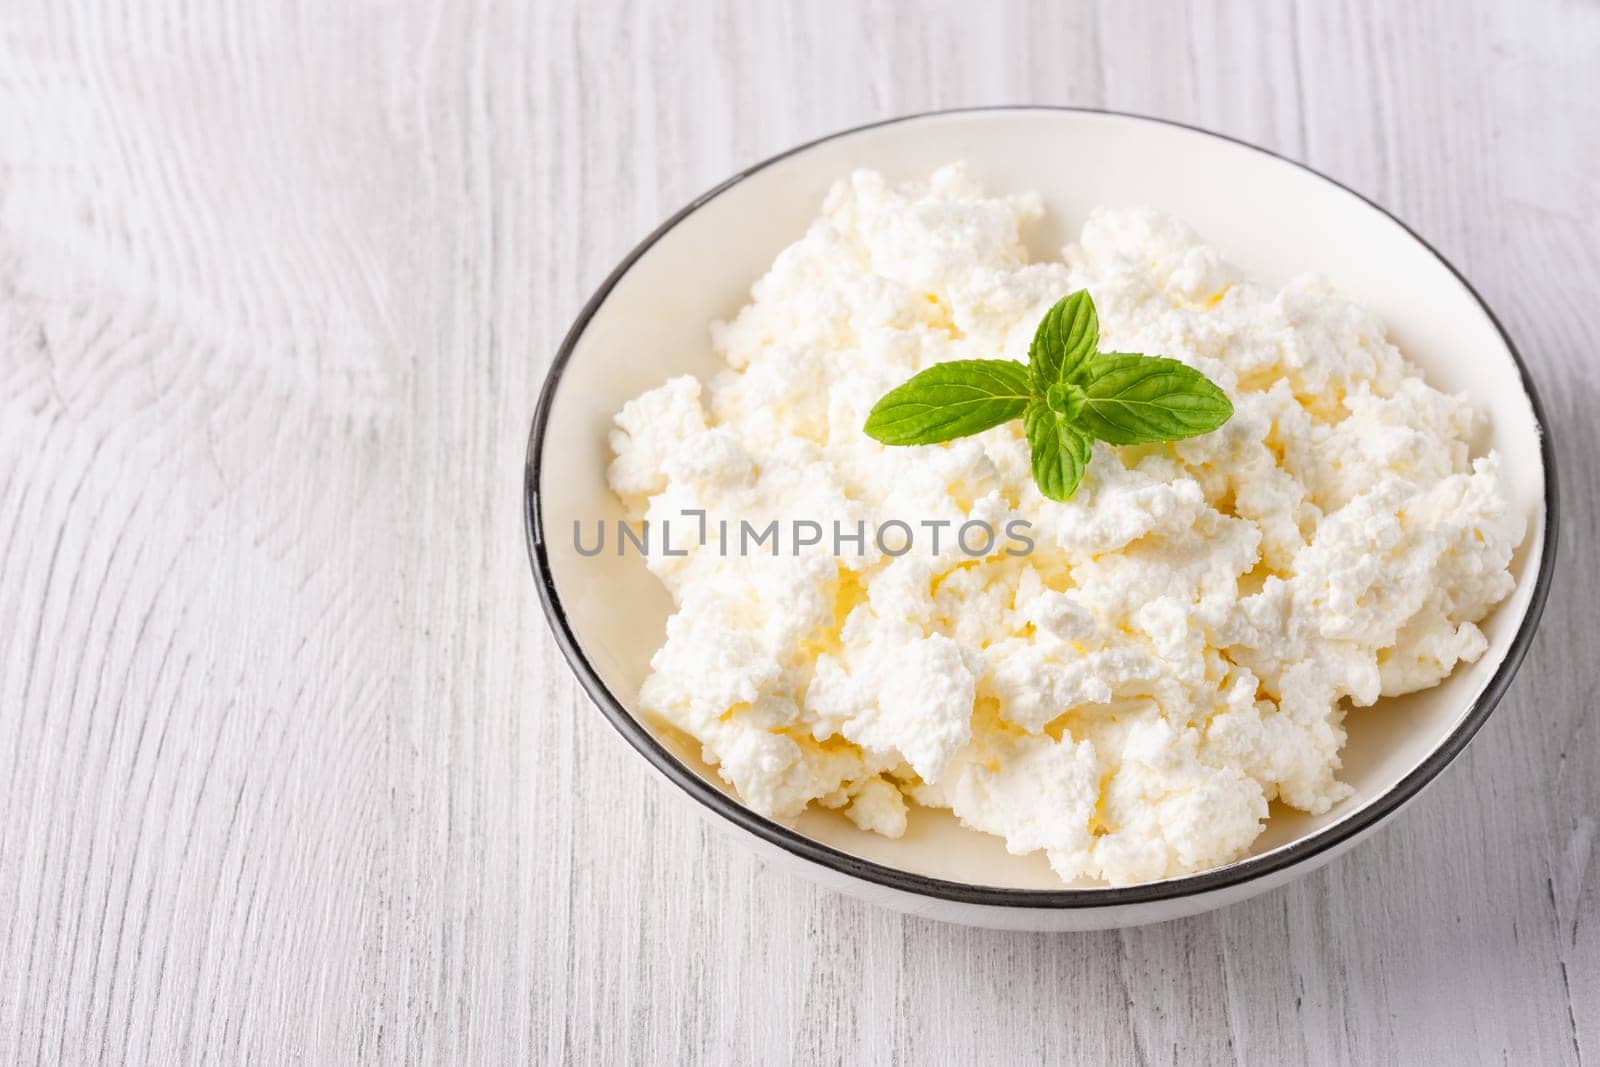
{"points": [[797, 844]]}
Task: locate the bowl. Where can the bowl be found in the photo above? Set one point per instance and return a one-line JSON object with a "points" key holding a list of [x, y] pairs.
{"points": [[1274, 218]]}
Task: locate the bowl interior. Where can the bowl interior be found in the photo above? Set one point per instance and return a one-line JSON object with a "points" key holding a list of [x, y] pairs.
{"points": [[1272, 218]]}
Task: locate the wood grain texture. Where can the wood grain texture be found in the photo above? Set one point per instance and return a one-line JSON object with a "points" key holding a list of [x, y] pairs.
{"points": [[290, 769]]}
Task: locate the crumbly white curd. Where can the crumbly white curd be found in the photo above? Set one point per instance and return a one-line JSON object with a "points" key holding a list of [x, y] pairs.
{"points": [[1181, 645]]}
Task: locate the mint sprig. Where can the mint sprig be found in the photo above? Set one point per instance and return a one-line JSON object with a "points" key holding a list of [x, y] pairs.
{"points": [[1068, 394]]}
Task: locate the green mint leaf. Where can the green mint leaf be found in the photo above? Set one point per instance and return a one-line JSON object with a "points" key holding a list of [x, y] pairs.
{"points": [[950, 400], [1132, 399], [1065, 399], [1060, 450], [1064, 342]]}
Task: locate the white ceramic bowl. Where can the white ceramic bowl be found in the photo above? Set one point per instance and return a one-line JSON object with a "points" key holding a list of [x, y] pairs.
{"points": [[1273, 217]]}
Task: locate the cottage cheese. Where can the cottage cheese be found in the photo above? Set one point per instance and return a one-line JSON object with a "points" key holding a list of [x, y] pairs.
{"points": [[1182, 643]]}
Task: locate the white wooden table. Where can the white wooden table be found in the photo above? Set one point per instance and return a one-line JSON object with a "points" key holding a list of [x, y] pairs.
{"points": [[290, 769]]}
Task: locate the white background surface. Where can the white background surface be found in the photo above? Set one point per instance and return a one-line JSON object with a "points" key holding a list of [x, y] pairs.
{"points": [[290, 769]]}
